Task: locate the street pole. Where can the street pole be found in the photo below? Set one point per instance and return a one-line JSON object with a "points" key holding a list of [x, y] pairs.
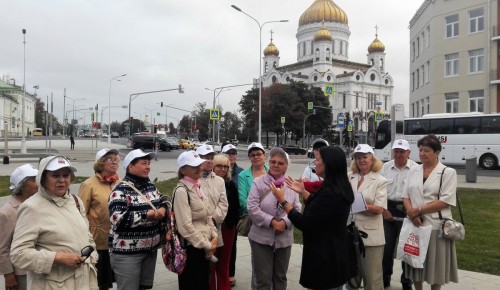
{"points": [[260, 64], [109, 104], [64, 115], [23, 140]]}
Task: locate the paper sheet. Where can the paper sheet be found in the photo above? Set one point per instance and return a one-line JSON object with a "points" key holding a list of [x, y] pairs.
{"points": [[359, 203]]}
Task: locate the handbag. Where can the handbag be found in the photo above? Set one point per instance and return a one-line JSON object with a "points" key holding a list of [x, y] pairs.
{"points": [[356, 248], [245, 223], [450, 228], [413, 244], [173, 253]]}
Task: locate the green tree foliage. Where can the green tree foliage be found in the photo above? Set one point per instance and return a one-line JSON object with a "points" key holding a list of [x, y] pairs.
{"points": [[171, 128], [41, 119], [116, 126], [137, 126], [249, 108], [186, 125], [230, 126], [202, 114]]}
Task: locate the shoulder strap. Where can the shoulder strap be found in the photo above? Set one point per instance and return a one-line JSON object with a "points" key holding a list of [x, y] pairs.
{"points": [[140, 193], [458, 200], [187, 193], [264, 195], [77, 203]]}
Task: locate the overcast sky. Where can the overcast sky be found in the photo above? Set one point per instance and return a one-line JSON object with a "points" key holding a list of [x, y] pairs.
{"points": [[81, 44]]}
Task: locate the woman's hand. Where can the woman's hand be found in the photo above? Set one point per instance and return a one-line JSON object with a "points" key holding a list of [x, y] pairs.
{"points": [[414, 212], [279, 226], [10, 281], [295, 185], [417, 221], [278, 192], [71, 260], [158, 214]]}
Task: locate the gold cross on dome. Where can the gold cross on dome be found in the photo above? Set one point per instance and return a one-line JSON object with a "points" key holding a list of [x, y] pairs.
{"points": [[376, 30], [272, 32]]}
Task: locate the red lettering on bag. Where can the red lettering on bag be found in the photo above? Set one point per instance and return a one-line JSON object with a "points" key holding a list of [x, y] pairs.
{"points": [[412, 250]]}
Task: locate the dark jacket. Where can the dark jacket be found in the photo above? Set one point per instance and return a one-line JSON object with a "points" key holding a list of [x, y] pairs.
{"points": [[233, 213], [234, 174], [323, 224]]}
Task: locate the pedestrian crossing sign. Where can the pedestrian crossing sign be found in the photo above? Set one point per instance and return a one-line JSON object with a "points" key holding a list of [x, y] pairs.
{"points": [[214, 114], [329, 90]]}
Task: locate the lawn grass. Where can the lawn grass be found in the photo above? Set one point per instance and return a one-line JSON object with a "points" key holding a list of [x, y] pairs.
{"points": [[5, 183]]}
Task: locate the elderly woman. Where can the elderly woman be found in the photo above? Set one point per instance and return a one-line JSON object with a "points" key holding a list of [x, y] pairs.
{"points": [[424, 197], [194, 223], [367, 183], [52, 240], [219, 278], [257, 156], [271, 234], [22, 186], [136, 209], [325, 256], [94, 193]]}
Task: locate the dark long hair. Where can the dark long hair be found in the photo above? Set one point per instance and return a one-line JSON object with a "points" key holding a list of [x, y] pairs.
{"points": [[335, 177]]}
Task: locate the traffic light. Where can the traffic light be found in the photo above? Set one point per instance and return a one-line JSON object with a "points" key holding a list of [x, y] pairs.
{"points": [[92, 116], [161, 104]]}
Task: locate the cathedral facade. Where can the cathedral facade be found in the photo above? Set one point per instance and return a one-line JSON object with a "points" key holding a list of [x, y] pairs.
{"points": [[360, 91]]}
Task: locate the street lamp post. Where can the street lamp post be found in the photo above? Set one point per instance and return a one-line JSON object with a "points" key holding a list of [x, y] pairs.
{"points": [[79, 99], [23, 140], [109, 104], [260, 63], [135, 95], [102, 116]]}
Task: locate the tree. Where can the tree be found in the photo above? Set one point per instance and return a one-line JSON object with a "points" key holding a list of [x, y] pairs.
{"points": [[202, 114], [40, 118], [249, 104], [185, 125], [115, 126], [137, 126], [171, 128], [231, 125]]}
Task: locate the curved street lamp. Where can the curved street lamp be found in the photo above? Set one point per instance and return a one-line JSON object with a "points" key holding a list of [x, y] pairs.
{"points": [[109, 104]]}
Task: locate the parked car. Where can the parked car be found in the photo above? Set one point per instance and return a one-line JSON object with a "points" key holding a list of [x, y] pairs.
{"points": [[186, 144], [293, 149], [173, 141], [148, 142], [310, 152], [104, 135], [234, 142], [115, 135], [215, 145]]}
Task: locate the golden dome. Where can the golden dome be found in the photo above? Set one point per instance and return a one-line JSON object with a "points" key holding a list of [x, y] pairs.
{"points": [[323, 34], [323, 10], [376, 46], [271, 49]]}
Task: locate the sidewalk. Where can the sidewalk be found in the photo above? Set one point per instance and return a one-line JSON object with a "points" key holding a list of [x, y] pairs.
{"points": [[165, 169]]}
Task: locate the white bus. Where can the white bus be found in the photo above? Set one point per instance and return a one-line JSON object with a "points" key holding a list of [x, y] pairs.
{"points": [[462, 135]]}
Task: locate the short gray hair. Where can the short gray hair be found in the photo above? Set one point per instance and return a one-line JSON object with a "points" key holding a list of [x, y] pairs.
{"points": [[18, 190], [276, 151]]}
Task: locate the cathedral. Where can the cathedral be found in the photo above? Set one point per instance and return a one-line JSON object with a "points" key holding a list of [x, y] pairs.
{"points": [[362, 91]]}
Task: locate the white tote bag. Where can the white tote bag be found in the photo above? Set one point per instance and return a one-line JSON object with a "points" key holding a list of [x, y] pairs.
{"points": [[413, 244]]}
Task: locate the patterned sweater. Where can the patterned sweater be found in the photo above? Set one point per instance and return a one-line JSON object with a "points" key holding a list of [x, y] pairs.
{"points": [[131, 232]]}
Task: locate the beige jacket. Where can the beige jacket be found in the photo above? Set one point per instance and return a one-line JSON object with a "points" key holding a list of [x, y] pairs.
{"points": [[194, 222], [214, 188], [47, 224], [8, 217], [95, 196], [374, 189]]}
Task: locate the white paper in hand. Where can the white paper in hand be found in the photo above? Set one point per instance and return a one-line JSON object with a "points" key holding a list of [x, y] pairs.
{"points": [[359, 203]]}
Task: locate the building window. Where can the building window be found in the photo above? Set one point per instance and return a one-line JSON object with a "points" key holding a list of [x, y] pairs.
{"points": [[422, 35], [274, 79], [343, 100], [303, 48], [452, 26], [418, 47], [476, 61], [385, 102], [328, 78], [417, 74], [372, 77], [451, 64], [476, 101], [412, 81], [357, 100], [423, 76], [451, 100], [315, 78], [428, 102], [341, 47], [476, 22], [428, 42], [427, 71], [422, 106], [413, 51]]}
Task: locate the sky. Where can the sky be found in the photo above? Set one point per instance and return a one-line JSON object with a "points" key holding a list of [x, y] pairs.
{"points": [[81, 45]]}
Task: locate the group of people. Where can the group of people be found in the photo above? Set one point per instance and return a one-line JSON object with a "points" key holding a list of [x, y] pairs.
{"points": [[111, 230]]}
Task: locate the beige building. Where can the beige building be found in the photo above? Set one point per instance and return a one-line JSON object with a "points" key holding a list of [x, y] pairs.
{"points": [[454, 56], [11, 109]]}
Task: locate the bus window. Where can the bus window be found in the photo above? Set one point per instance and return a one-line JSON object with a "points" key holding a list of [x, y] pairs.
{"points": [[417, 127], [383, 134], [441, 126], [490, 125], [466, 125]]}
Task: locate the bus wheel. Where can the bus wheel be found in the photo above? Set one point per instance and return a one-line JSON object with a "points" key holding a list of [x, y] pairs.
{"points": [[488, 162]]}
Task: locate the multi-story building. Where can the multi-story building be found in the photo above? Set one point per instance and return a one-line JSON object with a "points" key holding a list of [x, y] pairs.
{"points": [[11, 109], [454, 56], [360, 89]]}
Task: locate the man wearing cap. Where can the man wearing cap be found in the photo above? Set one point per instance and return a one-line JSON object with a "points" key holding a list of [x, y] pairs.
{"points": [[22, 186], [396, 171], [94, 193], [310, 171], [136, 208], [213, 186]]}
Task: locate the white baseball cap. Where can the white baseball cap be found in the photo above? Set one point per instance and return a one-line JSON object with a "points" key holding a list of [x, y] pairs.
{"points": [[228, 147], [59, 162], [363, 148], [137, 153], [20, 173], [401, 144], [105, 151], [255, 145], [205, 149], [190, 158]]}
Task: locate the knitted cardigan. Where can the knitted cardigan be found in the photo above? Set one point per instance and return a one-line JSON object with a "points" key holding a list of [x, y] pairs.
{"points": [[131, 232]]}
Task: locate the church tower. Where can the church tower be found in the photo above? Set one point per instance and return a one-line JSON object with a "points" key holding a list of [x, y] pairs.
{"points": [[271, 57], [376, 53], [322, 46]]}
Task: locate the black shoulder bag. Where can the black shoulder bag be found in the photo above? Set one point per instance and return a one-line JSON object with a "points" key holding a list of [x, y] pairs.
{"points": [[356, 250]]}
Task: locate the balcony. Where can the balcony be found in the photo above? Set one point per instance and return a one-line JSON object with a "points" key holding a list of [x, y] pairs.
{"points": [[494, 77], [495, 33]]}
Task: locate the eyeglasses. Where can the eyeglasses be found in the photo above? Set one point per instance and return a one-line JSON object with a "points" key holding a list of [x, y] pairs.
{"points": [[87, 251], [258, 155], [220, 166], [112, 160]]}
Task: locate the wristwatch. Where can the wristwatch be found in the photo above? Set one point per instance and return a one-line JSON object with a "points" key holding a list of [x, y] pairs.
{"points": [[283, 204]]}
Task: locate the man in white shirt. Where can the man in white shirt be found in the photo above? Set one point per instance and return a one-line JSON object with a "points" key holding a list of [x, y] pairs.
{"points": [[396, 171], [310, 171]]}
